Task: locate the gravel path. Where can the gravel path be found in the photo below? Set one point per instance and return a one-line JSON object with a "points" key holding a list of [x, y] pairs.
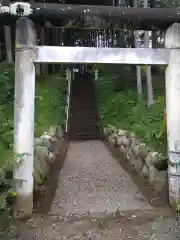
{"points": [[96, 199], [92, 181]]}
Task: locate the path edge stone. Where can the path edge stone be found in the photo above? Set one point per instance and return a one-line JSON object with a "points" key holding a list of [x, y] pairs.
{"points": [[148, 164]]}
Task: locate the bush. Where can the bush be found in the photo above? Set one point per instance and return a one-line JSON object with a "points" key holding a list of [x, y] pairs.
{"points": [[124, 111]]}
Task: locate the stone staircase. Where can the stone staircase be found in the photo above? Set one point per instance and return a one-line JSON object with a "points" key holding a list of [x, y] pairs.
{"points": [[83, 110]]}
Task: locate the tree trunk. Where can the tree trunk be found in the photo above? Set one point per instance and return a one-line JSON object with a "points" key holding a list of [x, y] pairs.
{"points": [[7, 33], [138, 68], [44, 67]]}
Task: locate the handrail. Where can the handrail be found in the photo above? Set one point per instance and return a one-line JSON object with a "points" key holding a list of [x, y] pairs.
{"points": [[68, 78]]}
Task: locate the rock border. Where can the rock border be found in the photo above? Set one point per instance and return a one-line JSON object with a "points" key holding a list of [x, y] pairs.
{"points": [[46, 148], [146, 163], [47, 187]]}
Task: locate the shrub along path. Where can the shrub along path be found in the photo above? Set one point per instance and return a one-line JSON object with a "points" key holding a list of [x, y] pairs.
{"points": [[97, 199]]}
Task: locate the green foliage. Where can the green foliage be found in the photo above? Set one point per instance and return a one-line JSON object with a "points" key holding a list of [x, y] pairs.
{"points": [[6, 111], [50, 102], [7, 83], [123, 110]]}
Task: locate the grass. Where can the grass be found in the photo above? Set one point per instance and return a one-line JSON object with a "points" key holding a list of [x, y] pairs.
{"points": [[50, 103], [121, 108]]}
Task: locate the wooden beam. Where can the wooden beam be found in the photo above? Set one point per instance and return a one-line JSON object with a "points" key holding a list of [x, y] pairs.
{"points": [[88, 16]]}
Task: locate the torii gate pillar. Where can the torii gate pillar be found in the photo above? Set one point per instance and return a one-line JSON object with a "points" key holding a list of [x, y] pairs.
{"points": [[24, 117], [172, 41]]}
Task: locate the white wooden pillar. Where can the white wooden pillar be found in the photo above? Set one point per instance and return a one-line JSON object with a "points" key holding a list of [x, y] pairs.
{"points": [[96, 74], [172, 41], [24, 117]]}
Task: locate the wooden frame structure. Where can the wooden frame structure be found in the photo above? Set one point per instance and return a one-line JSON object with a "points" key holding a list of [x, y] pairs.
{"points": [[28, 53]]}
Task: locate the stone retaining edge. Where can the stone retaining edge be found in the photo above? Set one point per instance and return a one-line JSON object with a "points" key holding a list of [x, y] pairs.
{"points": [[138, 155], [45, 151]]}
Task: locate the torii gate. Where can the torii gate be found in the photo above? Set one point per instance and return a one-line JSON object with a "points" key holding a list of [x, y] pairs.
{"points": [[28, 53]]}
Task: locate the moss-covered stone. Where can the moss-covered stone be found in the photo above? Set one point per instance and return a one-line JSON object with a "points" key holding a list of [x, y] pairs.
{"points": [[37, 177], [175, 204]]}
